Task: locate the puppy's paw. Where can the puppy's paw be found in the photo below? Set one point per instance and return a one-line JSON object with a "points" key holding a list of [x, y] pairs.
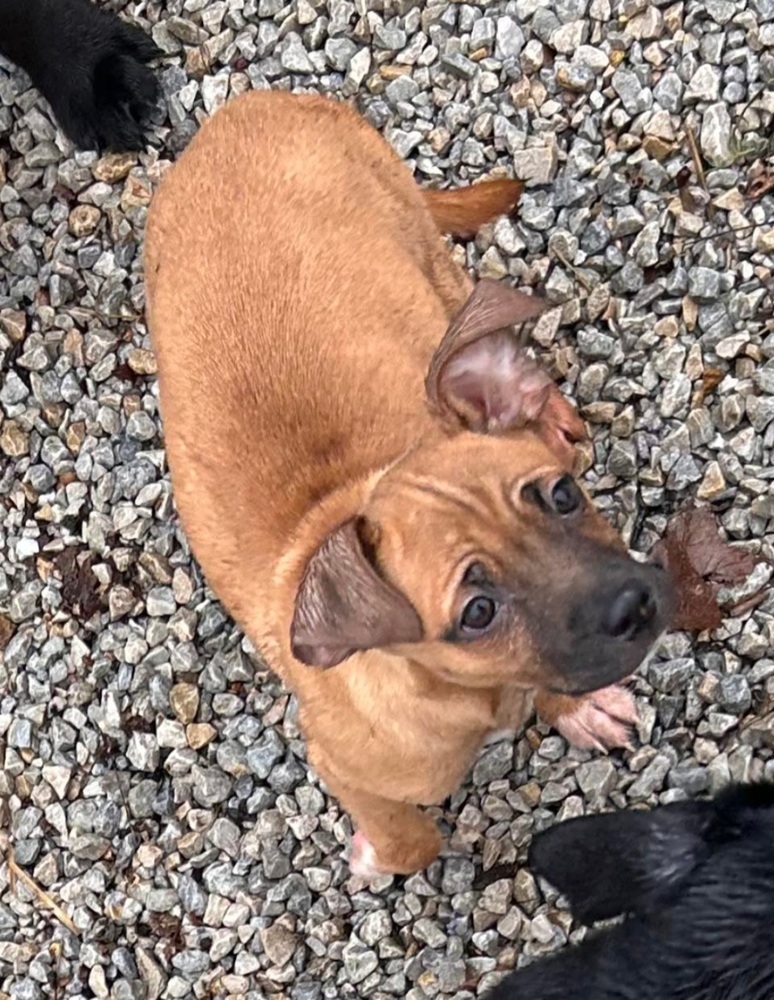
{"points": [[418, 847], [601, 720], [362, 858]]}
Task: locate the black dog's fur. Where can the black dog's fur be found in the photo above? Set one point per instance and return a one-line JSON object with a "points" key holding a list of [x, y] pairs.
{"points": [[88, 64], [697, 880]]}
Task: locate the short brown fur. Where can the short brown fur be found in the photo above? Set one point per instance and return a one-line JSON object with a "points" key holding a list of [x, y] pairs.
{"points": [[298, 289]]}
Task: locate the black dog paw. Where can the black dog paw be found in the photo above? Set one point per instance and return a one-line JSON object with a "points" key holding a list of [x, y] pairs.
{"points": [[90, 66], [109, 106]]}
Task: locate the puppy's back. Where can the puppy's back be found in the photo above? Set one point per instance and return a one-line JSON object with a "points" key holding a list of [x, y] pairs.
{"points": [[293, 273]]}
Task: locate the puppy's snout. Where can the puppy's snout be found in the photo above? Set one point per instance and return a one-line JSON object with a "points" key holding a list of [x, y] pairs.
{"points": [[623, 607], [631, 611]]}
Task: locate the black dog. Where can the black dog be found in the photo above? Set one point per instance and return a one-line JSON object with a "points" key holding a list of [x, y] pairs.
{"points": [[698, 882], [88, 64]]}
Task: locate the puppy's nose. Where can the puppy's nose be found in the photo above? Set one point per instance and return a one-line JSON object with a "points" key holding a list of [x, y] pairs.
{"points": [[631, 611]]}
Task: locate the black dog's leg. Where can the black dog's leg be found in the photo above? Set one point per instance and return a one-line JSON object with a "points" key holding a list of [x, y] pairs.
{"points": [[88, 64]]}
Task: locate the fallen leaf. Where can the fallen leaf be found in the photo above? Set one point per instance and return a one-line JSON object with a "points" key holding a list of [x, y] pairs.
{"points": [[712, 557], [700, 561], [696, 607], [81, 590]]}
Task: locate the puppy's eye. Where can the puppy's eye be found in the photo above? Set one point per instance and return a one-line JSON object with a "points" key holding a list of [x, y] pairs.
{"points": [[566, 495], [478, 614]]}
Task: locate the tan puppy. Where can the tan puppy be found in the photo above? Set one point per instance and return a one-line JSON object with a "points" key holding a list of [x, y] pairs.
{"points": [[371, 472]]}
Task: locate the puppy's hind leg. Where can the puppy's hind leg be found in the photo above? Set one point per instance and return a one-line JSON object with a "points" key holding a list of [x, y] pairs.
{"points": [[462, 211]]}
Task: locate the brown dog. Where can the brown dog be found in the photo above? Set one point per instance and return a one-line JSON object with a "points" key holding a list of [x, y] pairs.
{"points": [[364, 492]]}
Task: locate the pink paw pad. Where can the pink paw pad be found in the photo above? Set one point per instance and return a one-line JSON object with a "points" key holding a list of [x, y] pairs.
{"points": [[602, 720], [362, 857]]}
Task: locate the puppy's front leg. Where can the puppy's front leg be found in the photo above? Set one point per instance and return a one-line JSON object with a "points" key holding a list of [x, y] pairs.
{"points": [[392, 838], [600, 720]]}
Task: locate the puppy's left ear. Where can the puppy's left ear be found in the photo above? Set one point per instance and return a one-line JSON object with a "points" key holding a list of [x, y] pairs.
{"points": [[345, 605], [482, 378], [623, 862]]}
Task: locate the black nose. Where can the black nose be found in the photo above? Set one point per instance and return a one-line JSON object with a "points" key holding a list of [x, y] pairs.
{"points": [[631, 611]]}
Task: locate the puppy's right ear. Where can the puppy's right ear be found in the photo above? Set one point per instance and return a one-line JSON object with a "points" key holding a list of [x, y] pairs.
{"points": [[623, 862], [482, 378], [344, 604]]}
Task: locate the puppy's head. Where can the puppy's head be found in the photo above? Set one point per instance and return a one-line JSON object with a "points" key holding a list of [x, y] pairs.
{"points": [[478, 554]]}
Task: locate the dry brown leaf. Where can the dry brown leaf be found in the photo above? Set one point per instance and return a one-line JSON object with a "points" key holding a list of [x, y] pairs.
{"points": [[700, 562], [81, 590], [712, 557], [696, 607]]}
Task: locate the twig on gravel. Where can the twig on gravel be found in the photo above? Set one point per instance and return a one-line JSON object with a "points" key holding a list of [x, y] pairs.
{"points": [[580, 278], [713, 236], [690, 135], [55, 950], [698, 166], [42, 896]]}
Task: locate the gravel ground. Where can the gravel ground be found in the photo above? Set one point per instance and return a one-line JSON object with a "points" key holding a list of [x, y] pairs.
{"points": [[154, 781]]}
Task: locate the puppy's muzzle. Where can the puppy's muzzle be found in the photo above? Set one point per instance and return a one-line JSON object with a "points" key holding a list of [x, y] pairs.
{"points": [[630, 612], [605, 631]]}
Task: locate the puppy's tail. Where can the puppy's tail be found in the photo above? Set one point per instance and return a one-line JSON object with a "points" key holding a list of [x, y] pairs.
{"points": [[462, 212]]}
